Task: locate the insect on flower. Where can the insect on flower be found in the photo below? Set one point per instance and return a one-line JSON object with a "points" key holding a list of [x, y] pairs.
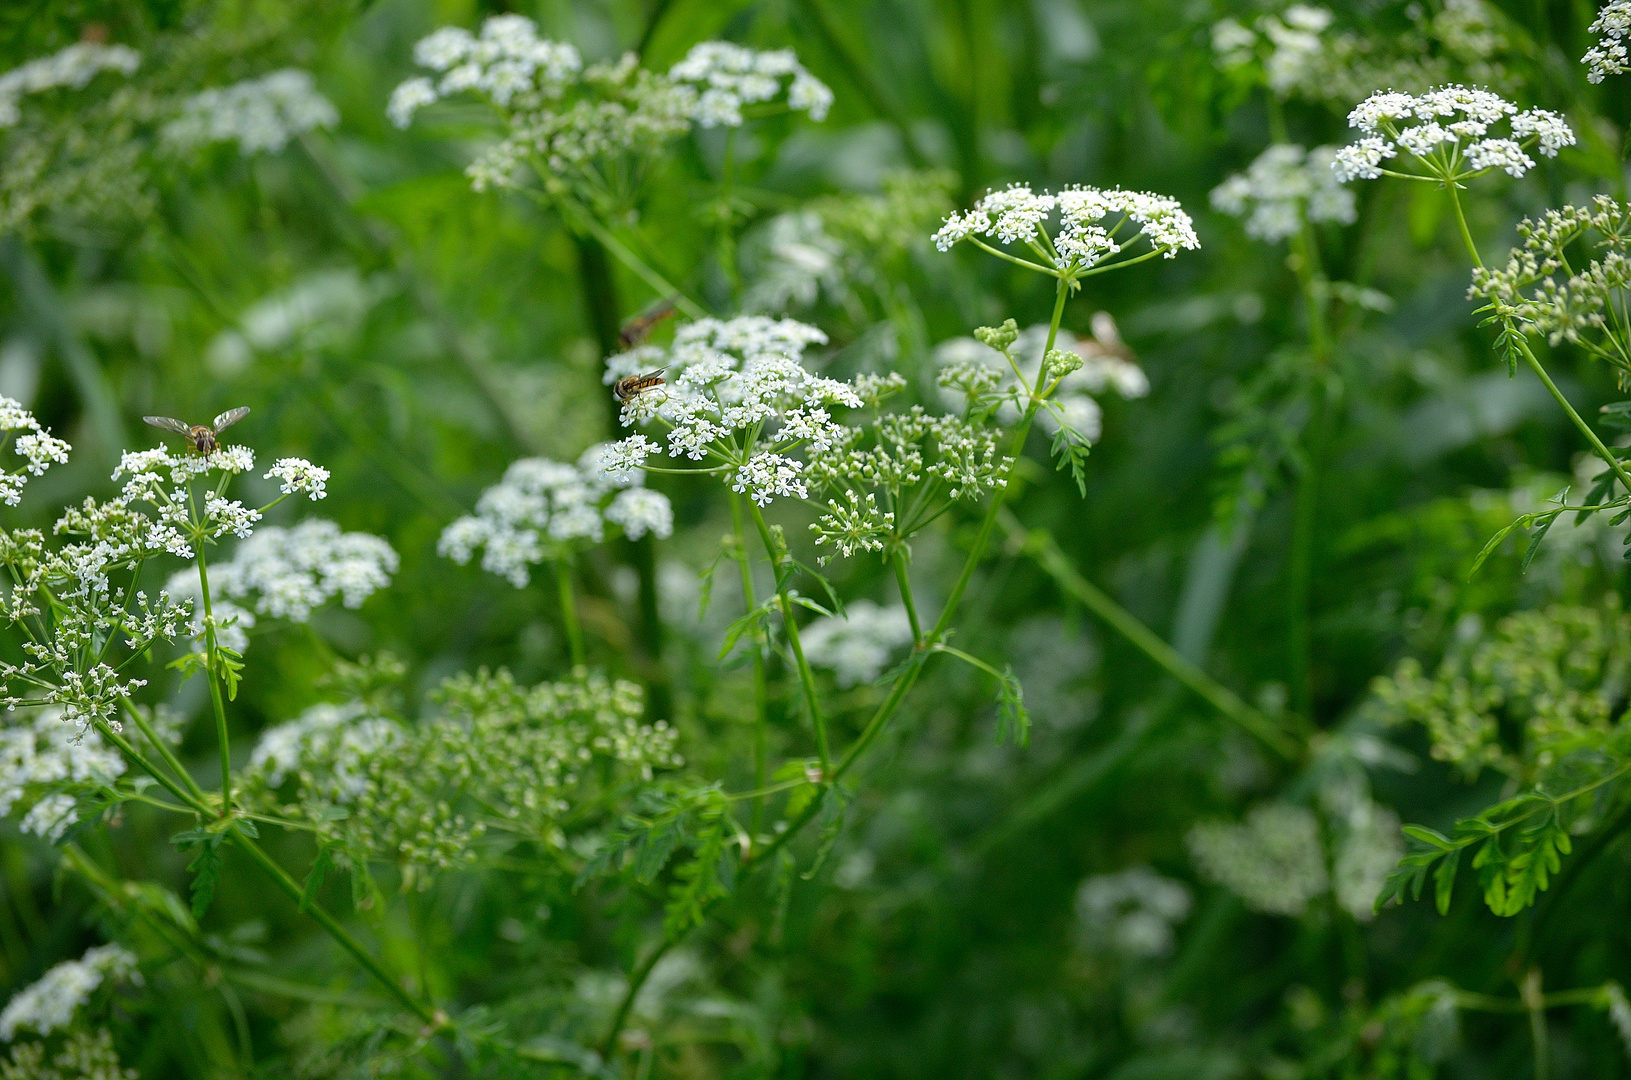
{"points": [[637, 329], [632, 386], [200, 436]]}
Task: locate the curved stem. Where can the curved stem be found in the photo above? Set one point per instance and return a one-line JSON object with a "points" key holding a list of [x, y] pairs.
{"points": [[897, 559], [1585, 429], [164, 750], [569, 611], [790, 624], [637, 979], [212, 658], [1461, 220], [761, 695], [336, 931]]}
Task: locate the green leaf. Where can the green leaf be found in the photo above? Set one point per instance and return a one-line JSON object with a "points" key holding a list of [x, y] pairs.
{"points": [[1495, 542], [314, 878], [1012, 717], [1534, 544], [1428, 836], [206, 869], [734, 632], [1444, 881], [833, 803]]}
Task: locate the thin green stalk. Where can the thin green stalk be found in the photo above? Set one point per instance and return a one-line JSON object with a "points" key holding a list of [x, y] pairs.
{"points": [[1041, 547], [790, 624], [569, 611], [339, 933], [641, 268], [761, 695], [1585, 429], [1535, 1002], [1461, 220], [152, 770], [164, 751], [637, 979], [211, 658], [897, 558]]}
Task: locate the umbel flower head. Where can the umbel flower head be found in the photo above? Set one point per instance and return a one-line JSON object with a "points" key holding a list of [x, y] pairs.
{"points": [[1556, 294], [73, 67], [260, 115], [563, 116], [544, 510], [737, 395], [36, 446], [1094, 227], [499, 757], [1451, 134], [1608, 56], [50, 1004], [1284, 187]]}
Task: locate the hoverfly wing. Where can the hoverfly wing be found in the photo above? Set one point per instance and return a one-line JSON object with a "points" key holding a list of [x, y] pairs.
{"points": [[168, 423], [230, 417]]}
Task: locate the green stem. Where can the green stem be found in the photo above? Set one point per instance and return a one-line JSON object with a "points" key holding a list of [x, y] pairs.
{"points": [[761, 695], [336, 931], [897, 558], [569, 611], [637, 979], [152, 770], [212, 659], [164, 751], [1585, 429], [1535, 1002], [1041, 547], [790, 624], [641, 268], [1461, 220]]}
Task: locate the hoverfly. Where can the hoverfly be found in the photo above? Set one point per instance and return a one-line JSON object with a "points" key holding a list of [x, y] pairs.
{"points": [[632, 386], [1106, 340], [200, 436], [639, 328]]}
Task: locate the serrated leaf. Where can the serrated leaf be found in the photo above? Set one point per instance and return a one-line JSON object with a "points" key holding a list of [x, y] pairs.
{"points": [[1012, 717], [206, 870], [833, 802], [314, 878]]}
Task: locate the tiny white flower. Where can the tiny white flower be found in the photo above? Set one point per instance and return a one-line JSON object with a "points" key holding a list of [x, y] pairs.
{"points": [[300, 476]]}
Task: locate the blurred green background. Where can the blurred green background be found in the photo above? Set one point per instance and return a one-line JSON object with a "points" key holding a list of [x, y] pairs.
{"points": [[413, 336]]}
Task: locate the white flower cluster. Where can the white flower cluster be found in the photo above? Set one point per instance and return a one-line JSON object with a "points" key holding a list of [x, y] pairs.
{"points": [[286, 572], [300, 477], [565, 115], [1301, 53], [50, 1004], [335, 741], [728, 76], [42, 759], [1132, 912], [857, 646], [735, 391], [543, 508], [1608, 56], [73, 67], [260, 115], [1459, 148], [1273, 860], [1285, 186], [1017, 215], [1106, 365], [38, 448]]}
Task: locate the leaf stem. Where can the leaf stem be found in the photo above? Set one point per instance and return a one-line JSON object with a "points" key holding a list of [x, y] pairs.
{"points": [[790, 624], [569, 611], [897, 558], [761, 691], [1585, 429], [336, 931], [212, 658]]}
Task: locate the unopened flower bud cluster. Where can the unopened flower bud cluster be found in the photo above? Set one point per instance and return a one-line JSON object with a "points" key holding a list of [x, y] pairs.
{"points": [[423, 795], [1559, 294]]}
